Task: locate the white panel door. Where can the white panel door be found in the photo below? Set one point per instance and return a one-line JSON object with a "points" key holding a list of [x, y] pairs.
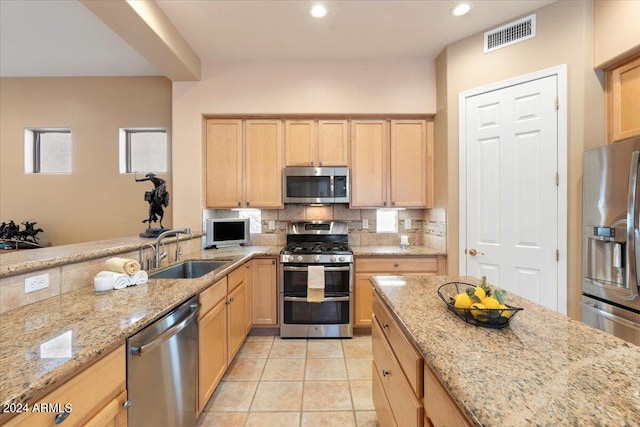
{"points": [[512, 194]]}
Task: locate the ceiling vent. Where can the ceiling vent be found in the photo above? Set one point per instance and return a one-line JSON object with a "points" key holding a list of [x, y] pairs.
{"points": [[511, 33]]}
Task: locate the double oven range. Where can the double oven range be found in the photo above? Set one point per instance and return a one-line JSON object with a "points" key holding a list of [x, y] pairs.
{"points": [[316, 243]]}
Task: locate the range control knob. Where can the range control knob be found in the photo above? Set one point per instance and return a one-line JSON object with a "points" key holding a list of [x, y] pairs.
{"points": [[299, 258], [333, 258], [316, 258], [341, 258], [285, 258]]}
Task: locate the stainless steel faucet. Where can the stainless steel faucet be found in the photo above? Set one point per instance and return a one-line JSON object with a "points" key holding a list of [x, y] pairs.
{"points": [[158, 257]]}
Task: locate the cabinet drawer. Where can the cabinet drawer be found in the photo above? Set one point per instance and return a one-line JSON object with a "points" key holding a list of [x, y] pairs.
{"points": [[408, 358], [235, 278], [87, 393], [403, 402], [439, 407], [380, 402], [212, 296], [426, 265]]}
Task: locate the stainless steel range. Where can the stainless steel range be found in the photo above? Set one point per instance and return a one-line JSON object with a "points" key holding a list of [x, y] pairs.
{"points": [[323, 246]]}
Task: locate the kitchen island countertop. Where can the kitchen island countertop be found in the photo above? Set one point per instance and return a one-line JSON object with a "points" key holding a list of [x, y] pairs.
{"points": [[544, 369]]}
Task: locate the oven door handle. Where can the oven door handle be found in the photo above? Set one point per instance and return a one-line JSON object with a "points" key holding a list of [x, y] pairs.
{"points": [[304, 299], [345, 268]]}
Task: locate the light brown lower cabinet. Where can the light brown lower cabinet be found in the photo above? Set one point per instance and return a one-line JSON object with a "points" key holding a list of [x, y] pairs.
{"points": [[236, 322], [95, 397], [440, 409], [248, 296], [212, 340], [264, 292], [367, 267]]}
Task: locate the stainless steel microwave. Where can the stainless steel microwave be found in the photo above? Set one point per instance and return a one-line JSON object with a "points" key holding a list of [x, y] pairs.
{"points": [[310, 185]]}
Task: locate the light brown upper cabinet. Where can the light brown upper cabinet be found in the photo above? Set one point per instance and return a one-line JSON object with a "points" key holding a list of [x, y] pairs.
{"points": [[244, 163], [316, 143], [623, 101], [391, 163]]}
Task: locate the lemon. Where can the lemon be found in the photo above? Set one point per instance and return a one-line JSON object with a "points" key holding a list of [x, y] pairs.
{"points": [[480, 293], [462, 301], [474, 309], [505, 313], [491, 302]]}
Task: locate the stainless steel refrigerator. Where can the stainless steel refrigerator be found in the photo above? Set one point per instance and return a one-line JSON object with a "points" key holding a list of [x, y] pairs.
{"points": [[611, 240]]}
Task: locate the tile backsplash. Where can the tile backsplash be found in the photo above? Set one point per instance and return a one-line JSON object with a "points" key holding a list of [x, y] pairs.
{"points": [[428, 226]]}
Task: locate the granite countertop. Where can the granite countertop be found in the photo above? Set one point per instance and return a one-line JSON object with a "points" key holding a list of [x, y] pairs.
{"points": [[544, 369], [396, 251], [91, 324]]}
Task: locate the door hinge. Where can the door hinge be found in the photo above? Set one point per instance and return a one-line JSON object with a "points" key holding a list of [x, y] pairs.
{"points": [[557, 179], [556, 103], [557, 255]]}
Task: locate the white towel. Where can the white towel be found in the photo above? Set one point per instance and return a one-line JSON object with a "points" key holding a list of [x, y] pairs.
{"points": [[123, 265], [315, 283], [140, 278], [119, 280]]}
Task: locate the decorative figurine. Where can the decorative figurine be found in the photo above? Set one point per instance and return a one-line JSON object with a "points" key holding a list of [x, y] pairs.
{"points": [[11, 237], [158, 199]]}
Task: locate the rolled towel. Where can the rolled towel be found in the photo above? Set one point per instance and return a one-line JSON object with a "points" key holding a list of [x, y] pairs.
{"points": [[123, 265], [140, 278], [120, 280]]}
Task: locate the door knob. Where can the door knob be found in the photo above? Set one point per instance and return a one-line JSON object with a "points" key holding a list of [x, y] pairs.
{"points": [[473, 252]]}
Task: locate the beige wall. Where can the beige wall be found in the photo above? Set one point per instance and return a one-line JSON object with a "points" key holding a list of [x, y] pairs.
{"points": [[284, 87], [95, 202], [564, 36], [616, 31]]}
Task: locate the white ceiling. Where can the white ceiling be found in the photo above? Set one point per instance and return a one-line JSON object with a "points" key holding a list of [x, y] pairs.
{"points": [[63, 38]]}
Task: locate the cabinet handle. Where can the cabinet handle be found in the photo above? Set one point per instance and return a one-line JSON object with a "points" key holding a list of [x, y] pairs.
{"points": [[239, 204], [127, 404], [320, 163], [396, 265], [311, 162], [247, 203], [384, 203], [385, 325], [393, 203], [273, 262], [385, 373], [228, 301], [59, 419]]}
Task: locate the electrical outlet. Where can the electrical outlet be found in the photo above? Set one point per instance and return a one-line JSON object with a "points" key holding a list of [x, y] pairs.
{"points": [[272, 225], [407, 224], [365, 223], [36, 283]]}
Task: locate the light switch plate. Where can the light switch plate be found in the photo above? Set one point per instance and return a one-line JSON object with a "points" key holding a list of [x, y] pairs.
{"points": [[35, 283], [407, 224], [365, 223], [272, 225]]}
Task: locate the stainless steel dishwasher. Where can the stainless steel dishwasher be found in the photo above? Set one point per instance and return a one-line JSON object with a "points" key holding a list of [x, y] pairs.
{"points": [[162, 369]]}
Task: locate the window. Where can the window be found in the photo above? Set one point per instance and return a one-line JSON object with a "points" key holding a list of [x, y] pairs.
{"points": [[143, 150], [386, 221], [47, 151]]}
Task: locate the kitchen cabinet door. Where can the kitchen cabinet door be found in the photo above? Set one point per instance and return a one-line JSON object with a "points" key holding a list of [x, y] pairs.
{"points": [[212, 351], [113, 414], [248, 296], [264, 292], [411, 164], [300, 143], [369, 163], [363, 300], [236, 321], [263, 164], [623, 101], [333, 143], [224, 166]]}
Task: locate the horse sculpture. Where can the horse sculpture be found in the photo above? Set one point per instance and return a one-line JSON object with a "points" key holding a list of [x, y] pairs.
{"points": [[158, 198]]}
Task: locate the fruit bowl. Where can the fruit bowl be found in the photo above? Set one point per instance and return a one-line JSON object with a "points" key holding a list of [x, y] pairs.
{"points": [[495, 318]]}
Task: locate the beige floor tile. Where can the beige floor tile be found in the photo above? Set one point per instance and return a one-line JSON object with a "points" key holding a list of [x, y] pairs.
{"points": [[260, 338], [245, 370], [284, 370], [328, 419], [366, 419], [325, 369], [324, 348], [357, 348], [273, 419], [278, 396], [361, 392], [326, 396], [254, 350], [222, 419], [288, 349], [359, 369], [232, 396]]}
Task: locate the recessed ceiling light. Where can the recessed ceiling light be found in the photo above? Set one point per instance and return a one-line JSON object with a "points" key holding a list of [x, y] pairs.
{"points": [[318, 11], [461, 9]]}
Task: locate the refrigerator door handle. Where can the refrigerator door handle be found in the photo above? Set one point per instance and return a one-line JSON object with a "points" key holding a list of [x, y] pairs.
{"points": [[633, 231]]}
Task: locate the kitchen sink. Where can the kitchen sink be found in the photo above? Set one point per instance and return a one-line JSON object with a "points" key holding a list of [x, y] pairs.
{"points": [[188, 269]]}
